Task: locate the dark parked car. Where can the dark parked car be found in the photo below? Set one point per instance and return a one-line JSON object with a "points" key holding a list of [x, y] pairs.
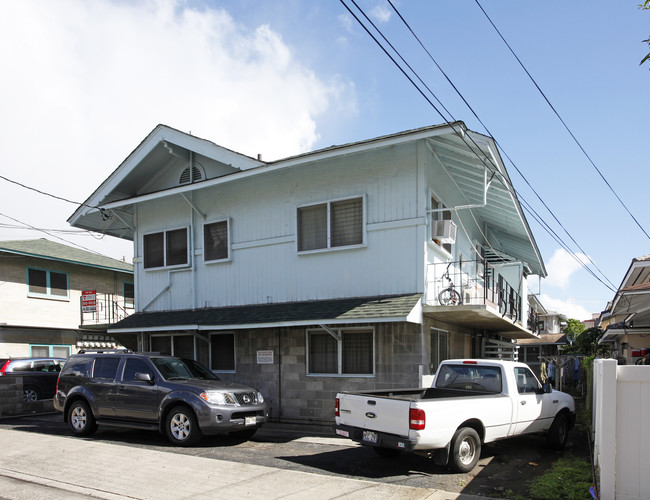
{"points": [[39, 375], [178, 397]]}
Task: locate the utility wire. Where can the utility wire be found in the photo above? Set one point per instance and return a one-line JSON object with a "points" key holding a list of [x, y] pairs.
{"points": [[507, 183], [50, 234], [500, 147], [562, 121], [105, 215]]}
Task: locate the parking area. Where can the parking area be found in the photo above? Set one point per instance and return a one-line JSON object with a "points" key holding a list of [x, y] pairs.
{"points": [[505, 468]]}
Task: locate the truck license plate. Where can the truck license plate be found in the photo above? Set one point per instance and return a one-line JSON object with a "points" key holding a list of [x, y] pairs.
{"points": [[370, 437], [250, 421]]}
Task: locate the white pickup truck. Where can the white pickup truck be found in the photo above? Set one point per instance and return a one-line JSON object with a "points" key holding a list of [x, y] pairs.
{"points": [[470, 403]]}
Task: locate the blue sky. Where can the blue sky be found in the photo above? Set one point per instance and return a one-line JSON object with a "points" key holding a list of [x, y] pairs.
{"points": [[84, 82]]}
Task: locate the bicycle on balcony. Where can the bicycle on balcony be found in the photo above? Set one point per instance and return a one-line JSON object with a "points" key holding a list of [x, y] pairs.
{"points": [[449, 296]]}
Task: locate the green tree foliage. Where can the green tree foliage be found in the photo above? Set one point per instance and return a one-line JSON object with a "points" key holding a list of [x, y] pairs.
{"points": [[646, 6], [586, 343], [574, 327]]}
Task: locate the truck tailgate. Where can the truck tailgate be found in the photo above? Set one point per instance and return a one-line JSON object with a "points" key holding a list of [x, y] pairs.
{"points": [[375, 413]]}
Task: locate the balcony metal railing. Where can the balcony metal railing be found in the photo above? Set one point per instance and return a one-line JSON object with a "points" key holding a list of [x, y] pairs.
{"points": [[109, 309], [477, 283]]}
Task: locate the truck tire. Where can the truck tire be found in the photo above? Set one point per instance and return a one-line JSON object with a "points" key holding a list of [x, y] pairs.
{"points": [[465, 449], [181, 426], [80, 419], [558, 432]]}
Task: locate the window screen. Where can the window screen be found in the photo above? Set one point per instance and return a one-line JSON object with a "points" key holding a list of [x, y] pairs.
{"points": [[154, 250], [222, 352], [323, 353], [176, 247], [215, 241], [312, 227], [37, 281], [346, 219], [357, 353]]}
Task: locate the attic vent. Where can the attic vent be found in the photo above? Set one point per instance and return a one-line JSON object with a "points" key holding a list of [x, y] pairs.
{"points": [[186, 178]]}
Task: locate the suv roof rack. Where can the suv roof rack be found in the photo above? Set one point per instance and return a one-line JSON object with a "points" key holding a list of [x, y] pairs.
{"points": [[105, 351]]}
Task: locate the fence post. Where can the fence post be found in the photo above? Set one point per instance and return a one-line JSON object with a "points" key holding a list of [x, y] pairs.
{"points": [[605, 425]]}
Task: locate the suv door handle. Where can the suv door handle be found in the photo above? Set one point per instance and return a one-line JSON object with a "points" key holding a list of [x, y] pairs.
{"points": [[121, 387], [522, 402]]}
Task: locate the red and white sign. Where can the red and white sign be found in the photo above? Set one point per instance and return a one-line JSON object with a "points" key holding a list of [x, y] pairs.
{"points": [[88, 301]]}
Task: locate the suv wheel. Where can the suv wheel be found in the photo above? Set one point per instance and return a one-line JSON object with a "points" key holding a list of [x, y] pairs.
{"points": [[182, 427], [80, 419]]}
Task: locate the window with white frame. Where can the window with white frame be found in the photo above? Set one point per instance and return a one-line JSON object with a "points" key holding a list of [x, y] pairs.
{"points": [[129, 295], [439, 347], [439, 216], [216, 245], [47, 284], [222, 352], [330, 225], [49, 351], [166, 248], [352, 353]]}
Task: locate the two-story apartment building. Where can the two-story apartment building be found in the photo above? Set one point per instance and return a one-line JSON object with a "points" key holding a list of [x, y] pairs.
{"points": [[41, 285], [356, 266]]}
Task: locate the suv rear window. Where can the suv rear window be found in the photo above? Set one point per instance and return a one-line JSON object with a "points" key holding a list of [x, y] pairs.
{"points": [[105, 368]]}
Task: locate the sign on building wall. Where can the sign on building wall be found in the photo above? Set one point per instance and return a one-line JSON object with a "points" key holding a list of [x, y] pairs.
{"points": [[89, 301], [265, 357]]}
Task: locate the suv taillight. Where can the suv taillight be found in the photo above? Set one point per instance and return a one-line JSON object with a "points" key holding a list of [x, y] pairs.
{"points": [[337, 407], [417, 419], [4, 367]]}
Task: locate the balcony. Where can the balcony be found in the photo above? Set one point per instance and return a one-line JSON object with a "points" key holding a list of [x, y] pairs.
{"points": [[109, 309], [477, 295]]}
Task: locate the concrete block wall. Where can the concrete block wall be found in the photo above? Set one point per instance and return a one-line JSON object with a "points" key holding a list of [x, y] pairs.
{"points": [[11, 399], [294, 396]]}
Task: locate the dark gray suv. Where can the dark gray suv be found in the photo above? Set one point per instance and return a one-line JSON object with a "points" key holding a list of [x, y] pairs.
{"points": [[178, 397]]}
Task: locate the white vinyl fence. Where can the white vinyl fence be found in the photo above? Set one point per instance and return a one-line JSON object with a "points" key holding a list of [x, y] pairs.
{"points": [[621, 418]]}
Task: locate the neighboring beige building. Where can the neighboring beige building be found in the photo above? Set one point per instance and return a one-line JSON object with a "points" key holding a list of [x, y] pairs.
{"points": [[41, 284], [627, 319]]}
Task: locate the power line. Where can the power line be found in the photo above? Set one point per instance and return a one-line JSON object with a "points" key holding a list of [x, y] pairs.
{"points": [[50, 234], [562, 121], [505, 154], [506, 182]]}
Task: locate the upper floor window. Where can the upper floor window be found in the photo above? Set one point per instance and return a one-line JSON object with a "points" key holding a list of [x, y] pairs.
{"points": [[330, 225], [166, 249], [44, 283], [215, 241], [439, 216], [129, 295]]}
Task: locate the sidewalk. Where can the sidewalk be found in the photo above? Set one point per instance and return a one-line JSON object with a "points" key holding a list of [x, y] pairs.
{"points": [[45, 466]]}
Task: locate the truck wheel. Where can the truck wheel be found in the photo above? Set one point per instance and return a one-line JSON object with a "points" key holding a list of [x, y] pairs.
{"points": [[465, 449], [80, 419], [386, 452], [182, 427], [559, 432]]}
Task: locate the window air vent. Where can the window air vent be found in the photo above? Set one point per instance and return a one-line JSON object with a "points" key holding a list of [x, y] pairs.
{"points": [[186, 178], [444, 231]]}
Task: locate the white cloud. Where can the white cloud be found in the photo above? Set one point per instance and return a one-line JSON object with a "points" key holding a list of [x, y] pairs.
{"points": [[381, 14], [84, 82], [568, 307], [561, 267]]}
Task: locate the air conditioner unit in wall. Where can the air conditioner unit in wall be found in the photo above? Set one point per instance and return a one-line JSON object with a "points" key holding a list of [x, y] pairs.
{"points": [[444, 231]]}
